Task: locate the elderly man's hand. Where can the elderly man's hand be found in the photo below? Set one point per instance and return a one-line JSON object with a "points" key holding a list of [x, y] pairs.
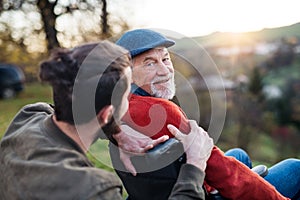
{"points": [[131, 143]]}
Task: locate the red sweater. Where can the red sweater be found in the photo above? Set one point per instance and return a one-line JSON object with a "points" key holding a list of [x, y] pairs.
{"points": [[150, 116]]}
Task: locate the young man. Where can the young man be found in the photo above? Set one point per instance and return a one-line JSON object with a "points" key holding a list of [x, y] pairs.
{"points": [[42, 154], [153, 76]]}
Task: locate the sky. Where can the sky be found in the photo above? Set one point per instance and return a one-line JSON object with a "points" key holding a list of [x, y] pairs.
{"points": [[202, 17]]}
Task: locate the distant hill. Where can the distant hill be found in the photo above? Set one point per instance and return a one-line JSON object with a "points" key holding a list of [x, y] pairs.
{"points": [[267, 35]]}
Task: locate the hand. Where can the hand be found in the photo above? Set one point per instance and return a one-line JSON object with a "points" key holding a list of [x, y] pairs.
{"points": [[197, 144], [131, 143]]}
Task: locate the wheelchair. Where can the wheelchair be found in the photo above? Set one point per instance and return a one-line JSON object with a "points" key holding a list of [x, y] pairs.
{"points": [[173, 145]]}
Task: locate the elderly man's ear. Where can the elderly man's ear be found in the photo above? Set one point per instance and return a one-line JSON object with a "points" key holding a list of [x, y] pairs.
{"points": [[105, 114]]}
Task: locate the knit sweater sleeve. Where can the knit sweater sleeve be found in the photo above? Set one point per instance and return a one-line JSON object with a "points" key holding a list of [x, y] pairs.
{"points": [[150, 116], [236, 181]]}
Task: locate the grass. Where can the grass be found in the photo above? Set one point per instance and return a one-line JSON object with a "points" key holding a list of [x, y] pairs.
{"points": [[34, 92], [99, 155]]}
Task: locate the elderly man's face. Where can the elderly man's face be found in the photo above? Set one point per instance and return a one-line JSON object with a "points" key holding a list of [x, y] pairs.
{"points": [[153, 71]]}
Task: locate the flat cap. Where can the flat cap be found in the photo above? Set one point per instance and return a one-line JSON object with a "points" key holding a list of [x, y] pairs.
{"points": [[140, 40]]}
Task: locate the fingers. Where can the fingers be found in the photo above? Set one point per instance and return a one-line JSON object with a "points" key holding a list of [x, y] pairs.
{"points": [[125, 154], [177, 134], [193, 123], [159, 140], [194, 126], [125, 158]]}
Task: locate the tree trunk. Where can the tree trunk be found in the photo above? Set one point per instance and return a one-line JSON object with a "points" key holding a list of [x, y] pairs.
{"points": [[49, 19], [104, 20]]}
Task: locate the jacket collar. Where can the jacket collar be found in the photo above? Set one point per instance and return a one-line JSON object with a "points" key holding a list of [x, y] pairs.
{"points": [[138, 91]]}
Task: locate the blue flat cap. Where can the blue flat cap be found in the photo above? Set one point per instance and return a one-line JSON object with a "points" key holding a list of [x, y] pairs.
{"points": [[140, 40]]}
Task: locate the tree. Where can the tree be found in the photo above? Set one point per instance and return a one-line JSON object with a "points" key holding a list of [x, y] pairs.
{"points": [[249, 104], [104, 18], [29, 29], [51, 10], [283, 56], [255, 85], [49, 18], [288, 107]]}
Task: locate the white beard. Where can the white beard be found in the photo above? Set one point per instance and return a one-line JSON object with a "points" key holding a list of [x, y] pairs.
{"points": [[168, 90]]}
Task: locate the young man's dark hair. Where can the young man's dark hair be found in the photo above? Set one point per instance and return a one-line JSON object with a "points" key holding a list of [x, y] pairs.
{"points": [[102, 67]]}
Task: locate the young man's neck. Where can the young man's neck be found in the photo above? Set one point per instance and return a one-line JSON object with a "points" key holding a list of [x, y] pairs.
{"points": [[82, 135]]}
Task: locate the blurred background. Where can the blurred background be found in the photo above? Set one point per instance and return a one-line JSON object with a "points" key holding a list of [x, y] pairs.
{"points": [[254, 44]]}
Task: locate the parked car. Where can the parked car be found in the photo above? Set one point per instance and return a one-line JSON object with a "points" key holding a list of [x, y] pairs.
{"points": [[11, 80]]}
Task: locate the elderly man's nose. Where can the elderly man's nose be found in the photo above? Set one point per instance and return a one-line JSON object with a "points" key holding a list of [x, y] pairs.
{"points": [[162, 69]]}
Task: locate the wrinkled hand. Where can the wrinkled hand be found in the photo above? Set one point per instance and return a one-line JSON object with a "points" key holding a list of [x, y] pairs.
{"points": [[131, 143], [197, 144]]}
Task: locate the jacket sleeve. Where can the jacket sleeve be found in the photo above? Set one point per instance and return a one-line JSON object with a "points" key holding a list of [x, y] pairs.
{"points": [[236, 181], [189, 184], [113, 193]]}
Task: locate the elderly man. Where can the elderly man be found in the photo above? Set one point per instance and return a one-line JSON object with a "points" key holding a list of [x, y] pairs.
{"points": [[153, 76]]}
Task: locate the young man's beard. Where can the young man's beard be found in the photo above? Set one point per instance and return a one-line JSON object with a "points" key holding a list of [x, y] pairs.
{"points": [[111, 128]]}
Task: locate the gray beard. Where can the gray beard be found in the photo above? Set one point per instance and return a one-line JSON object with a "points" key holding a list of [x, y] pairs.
{"points": [[166, 93]]}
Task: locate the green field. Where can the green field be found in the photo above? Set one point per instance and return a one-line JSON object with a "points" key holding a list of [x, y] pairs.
{"points": [[35, 92]]}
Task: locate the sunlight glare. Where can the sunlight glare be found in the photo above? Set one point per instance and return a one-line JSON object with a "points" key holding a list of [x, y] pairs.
{"points": [[195, 18]]}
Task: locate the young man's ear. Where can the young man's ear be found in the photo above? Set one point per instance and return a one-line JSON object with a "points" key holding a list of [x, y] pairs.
{"points": [[105, 114]]}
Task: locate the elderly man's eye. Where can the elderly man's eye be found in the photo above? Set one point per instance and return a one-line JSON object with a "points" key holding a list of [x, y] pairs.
{"points": [[151, 64], [167, 60]]}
